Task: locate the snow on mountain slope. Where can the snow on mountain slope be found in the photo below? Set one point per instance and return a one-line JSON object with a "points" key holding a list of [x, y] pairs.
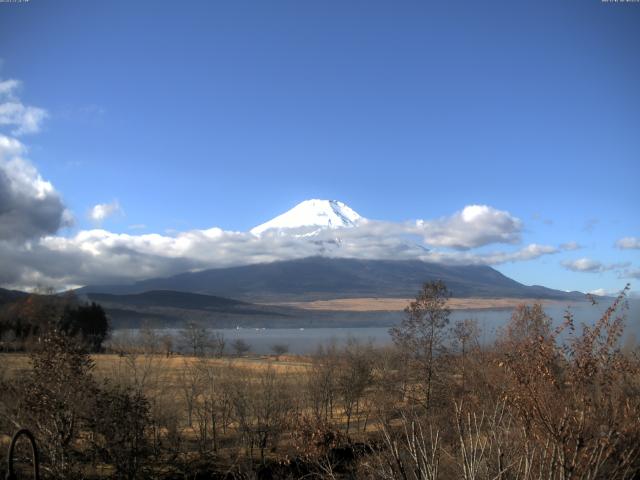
{"points": [[309, 216]]}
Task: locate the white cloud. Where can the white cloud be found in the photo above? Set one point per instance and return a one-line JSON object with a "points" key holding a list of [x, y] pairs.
{"points": [[474, 226], [102, 211], [601, 292], [7, 87], [29, 205], [529, 252], [100, 256], [571, 246], [628, 243], [591, 266], [630, 273], [13, 113]]}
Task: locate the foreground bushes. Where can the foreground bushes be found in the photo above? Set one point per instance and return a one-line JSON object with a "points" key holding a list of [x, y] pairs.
{"points": [[542, 402]]}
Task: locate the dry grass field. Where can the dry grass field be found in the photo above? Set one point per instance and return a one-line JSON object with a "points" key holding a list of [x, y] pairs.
{"points": [[178, 386], [399, 304], [13, 365]]}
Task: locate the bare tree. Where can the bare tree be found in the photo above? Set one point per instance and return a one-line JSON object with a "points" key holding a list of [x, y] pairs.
{"points": [[142, 373], [241, 347], [217, 343], [279, 349], [119, 427], [389, 382], [190, 387], [148, 339], [412, 453], [421, 333], [167, 344], [195, 337], [321, 382], [465, 334], [262, 409], [354, 376], [212, 404], [225, 390]]}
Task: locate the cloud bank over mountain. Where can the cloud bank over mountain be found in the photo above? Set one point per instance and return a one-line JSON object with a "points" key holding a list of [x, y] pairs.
{"points": [[100, 256], [32, 212]]}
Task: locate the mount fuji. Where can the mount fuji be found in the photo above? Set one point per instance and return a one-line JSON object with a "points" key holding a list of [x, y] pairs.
{"points": [[311, 216], [326, 277]]}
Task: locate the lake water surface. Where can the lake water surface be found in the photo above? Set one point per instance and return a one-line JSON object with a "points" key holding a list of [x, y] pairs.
{"points": [[307, 340]]}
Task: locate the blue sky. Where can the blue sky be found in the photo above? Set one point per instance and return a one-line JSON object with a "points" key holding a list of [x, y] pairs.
{"points": [[224, 114]]}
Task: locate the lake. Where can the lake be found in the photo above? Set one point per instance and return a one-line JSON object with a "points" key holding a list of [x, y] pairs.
{"points": [[307, 340]]}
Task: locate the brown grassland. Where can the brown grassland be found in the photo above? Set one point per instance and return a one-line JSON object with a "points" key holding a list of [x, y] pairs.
{"points": [[399, 304]]}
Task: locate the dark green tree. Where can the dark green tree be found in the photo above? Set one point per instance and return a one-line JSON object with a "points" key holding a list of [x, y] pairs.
{"points": [[87, 321], [31, 316]]}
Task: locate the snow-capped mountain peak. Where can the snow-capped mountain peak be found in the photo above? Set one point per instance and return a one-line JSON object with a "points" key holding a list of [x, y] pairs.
{"points": [[310, 215]]}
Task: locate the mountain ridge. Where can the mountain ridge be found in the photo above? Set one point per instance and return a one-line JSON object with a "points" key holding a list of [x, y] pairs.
{"points": [[323, 278]]}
